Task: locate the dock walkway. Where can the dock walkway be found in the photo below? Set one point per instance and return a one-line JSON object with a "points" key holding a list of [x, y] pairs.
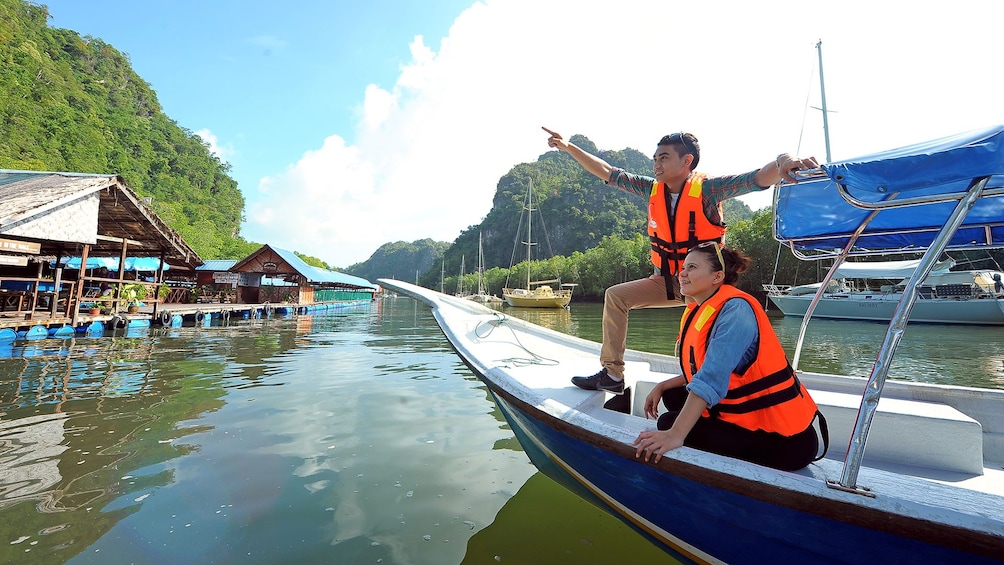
{"points": [[40, 323]]}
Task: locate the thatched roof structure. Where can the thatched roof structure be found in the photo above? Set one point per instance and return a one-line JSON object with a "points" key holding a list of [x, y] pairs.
{"points": [[64, 211]]}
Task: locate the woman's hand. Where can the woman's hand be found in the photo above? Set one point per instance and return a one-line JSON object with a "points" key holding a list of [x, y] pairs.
{"points": [[652, 402], [655, 442]]}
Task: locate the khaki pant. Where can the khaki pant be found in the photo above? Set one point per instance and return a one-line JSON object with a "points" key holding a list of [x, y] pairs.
{"points": [[617, 301]]}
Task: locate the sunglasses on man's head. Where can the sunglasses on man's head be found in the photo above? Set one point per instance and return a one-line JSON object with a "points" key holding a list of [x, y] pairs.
{"points": [[683, 139]]}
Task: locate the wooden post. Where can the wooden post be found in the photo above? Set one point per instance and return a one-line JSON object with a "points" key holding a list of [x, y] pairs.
{"points": [[34, 292], [118, 291], [80, 284], [57, 281], [160, 282]]}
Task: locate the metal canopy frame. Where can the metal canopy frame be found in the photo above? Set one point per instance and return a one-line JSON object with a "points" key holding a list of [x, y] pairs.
{"points": [[897, 325]]}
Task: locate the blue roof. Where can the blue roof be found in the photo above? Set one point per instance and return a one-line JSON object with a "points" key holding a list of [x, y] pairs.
{"points": [[217, 265], [314, 274], [812, 215]]}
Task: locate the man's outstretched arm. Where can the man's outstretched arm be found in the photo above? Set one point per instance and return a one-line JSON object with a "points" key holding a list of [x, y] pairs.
{"points": [[589, 162]]}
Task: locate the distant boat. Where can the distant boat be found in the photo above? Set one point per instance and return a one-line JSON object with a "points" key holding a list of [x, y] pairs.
{"points": [[872, 290], [536, 294], [482, 295]]}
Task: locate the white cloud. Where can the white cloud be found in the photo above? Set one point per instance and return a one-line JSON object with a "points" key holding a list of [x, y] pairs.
{"points": [[222, 152], [428, 153]]}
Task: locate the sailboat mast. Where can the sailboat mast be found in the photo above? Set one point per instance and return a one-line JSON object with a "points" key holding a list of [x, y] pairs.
{"points": [[529, 222], [822, 91], [481, 266]]}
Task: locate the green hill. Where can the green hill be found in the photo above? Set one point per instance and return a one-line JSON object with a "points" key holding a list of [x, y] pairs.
{"points": [[74, 104]]}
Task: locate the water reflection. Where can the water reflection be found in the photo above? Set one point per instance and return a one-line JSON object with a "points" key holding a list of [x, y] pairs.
{"points": [[328, 438], [558, 319], [73, 419], [850, 347], [552, 525], [29, 459]]}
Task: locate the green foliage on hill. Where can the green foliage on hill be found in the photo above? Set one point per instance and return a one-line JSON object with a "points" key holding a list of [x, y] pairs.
{"points": [[74, 104], [314, 261], [402, 260]]}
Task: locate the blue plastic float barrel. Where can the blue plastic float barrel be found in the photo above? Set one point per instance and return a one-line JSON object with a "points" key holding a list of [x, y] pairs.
{"points": [[37, 332], [62, 331]]}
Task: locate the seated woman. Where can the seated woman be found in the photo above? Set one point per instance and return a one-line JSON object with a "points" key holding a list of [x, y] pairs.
{"points": [[738, 395], [105, 287]]}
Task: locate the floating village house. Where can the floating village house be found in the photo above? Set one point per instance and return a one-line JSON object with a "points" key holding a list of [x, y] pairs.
{"points": [[48, 217], [278, 276], [51, 220]]}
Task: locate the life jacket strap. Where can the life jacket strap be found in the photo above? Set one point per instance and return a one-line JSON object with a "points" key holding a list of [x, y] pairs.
{"points": [[825, 433], [759, 403]]}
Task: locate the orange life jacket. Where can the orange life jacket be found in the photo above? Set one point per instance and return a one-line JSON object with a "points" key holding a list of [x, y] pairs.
{"points": [[768, 395], [672, 237]]}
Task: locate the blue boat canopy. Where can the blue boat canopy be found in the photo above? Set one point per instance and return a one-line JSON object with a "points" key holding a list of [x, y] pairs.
{"points": [[813, 216]]}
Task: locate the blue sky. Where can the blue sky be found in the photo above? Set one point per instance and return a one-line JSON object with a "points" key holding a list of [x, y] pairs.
{"points": [[351, 124]]}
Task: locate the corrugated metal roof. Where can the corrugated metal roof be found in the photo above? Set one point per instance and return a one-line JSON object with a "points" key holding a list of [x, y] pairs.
{"points": [[315, 274], [217, 265]]}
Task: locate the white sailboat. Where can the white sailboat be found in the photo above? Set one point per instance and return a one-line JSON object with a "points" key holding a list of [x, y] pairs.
{"points": [[536, 294], [483, 296], [872, 290]]}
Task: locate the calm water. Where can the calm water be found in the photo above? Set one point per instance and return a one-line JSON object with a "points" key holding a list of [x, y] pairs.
{"points": [[355, 437], [352, 437]]}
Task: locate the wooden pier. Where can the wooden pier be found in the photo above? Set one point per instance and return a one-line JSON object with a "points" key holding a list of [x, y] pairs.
{"points": [[171, 315]]}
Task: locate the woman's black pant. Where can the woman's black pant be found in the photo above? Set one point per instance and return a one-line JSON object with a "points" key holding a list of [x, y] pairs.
{"points": [[724, 438]]}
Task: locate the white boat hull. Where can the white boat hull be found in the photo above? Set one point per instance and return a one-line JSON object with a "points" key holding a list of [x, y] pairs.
{"points": [[879, 307]]}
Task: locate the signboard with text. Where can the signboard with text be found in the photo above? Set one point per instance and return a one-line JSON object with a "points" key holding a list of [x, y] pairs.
{"points": [[20, 247], [226, 278], [250, 279], [13, 260]]}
